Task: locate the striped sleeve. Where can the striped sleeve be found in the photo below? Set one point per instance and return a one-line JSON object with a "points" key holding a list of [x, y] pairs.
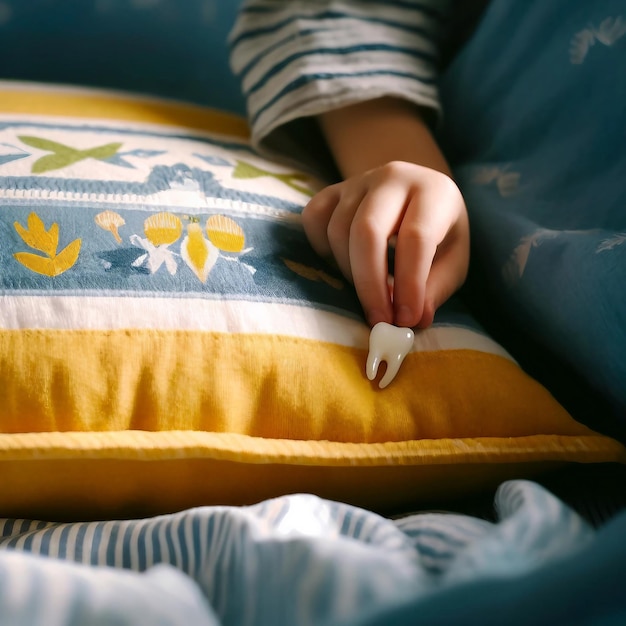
{"points": [[299, 58]]}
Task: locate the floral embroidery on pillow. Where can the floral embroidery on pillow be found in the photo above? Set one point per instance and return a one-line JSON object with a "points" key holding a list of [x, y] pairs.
{"points": [[51, 262], [199, 249]]}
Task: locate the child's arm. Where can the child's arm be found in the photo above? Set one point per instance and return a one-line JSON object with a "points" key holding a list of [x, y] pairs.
{"points": [[297, 59], [364, 70], [397, 184]]}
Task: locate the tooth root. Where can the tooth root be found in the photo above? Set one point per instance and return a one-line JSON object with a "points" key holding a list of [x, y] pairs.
{"points": [[390, 344], [390, 373], [371, 367]]}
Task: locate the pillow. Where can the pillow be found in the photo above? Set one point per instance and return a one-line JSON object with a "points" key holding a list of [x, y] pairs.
{"points": [[169, 339]]}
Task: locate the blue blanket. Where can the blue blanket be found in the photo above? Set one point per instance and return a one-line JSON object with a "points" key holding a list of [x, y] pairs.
{"points": [[534, 122], [303, 560]]}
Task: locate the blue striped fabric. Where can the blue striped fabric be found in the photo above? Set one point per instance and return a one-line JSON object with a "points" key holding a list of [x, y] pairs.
{"points": [[296, 57], [291, 88], [37, 592], [359, 48], [292, 560]]}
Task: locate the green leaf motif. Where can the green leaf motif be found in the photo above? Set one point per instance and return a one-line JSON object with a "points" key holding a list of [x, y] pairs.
{"points": [[245, 170], [44, 144], [103, 152], [63, 156]]}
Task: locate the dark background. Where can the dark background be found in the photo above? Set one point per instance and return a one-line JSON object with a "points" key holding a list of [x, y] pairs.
{"points": [[172, 48]]}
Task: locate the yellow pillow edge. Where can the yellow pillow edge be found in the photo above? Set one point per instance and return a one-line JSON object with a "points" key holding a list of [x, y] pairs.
{"points": [[84, 103], [253, 375], [122, 489], [187, 445]]}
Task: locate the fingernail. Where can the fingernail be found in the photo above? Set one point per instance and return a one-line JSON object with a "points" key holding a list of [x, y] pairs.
{"points": [[404, 316]]}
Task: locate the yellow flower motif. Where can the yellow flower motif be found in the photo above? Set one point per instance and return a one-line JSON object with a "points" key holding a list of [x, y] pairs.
{"points": [[47, 241], [163, 229], [111, 221], [198, 252], [225, 233], [36, 236]]}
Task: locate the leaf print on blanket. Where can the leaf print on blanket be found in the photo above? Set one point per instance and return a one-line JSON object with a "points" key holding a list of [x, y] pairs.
{"points": [[610, 31], [612, 242], [63, 156], [47, 241], [506, 182], [513, 269]]}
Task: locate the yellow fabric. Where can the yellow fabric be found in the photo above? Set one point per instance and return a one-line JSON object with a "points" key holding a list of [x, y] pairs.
{"points": [[262, 386], [112, 106], [250, 423], [96, 475]]}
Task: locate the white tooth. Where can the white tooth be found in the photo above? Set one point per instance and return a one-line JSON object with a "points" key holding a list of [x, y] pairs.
{"points": [[390, 344]]}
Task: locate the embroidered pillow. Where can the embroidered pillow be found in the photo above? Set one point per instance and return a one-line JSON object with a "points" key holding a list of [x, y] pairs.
{"points": [[169, 339]]}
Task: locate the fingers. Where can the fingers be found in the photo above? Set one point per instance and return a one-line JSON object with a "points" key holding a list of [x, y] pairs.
{"points": [[353, 223], [375, 220], [316, 216], [423, 209], [430, 231], [448, 271]]}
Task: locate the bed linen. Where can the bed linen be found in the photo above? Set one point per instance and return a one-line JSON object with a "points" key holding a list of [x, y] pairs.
{"points": [[301, 559], [538, 150]]}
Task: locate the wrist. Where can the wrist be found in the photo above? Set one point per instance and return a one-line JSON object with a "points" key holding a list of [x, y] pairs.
{"points": [[367, 135]]}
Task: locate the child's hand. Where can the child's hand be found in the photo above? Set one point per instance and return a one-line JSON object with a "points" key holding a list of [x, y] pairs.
{"points": [[353, 222]]}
